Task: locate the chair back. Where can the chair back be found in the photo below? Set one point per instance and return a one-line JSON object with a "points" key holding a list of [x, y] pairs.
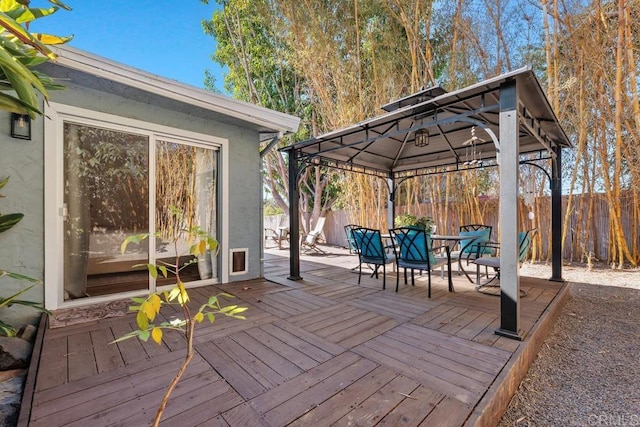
{"points": [[348, 229], [313, 235], [319, 226], [369, 245], [475, 227], [412, 247], [524, 243], [310, 239], [478, 234]]}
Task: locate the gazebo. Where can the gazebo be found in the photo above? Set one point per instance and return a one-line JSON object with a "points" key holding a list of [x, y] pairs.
{"points": [[430, 132]]}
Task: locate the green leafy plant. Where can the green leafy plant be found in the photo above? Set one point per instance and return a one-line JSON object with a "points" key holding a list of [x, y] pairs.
{"points": [[20, 51], [199, 244], [409, 220], [8, 221], [20, 85]]}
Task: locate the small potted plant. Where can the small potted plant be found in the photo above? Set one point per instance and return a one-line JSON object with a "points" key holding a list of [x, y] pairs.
{"points": [[412, 221]]}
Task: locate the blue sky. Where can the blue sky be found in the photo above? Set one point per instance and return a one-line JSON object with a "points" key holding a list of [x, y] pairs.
{"points": [[158, 36]]}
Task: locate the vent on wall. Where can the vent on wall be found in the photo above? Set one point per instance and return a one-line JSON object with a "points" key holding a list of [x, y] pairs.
{"points": [[239, 261]]}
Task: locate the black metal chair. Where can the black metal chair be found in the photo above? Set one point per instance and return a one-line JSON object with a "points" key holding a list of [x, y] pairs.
{"points": [[372, 251], [524, 244], [468, 249], [348, 229], [414, 250]]}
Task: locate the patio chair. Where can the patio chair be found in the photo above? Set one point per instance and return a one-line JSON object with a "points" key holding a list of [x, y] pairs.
{"points": [[372, 251], [468, 249], [524, 244], [280, 234], [310, 241], [414, 250], [348, 229]]}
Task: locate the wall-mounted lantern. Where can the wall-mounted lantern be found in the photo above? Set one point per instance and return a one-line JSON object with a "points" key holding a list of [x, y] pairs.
{"points": [[20, 126]]}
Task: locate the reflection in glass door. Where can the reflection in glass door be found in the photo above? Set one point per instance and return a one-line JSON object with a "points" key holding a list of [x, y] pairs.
{"points": [[186, 179], [108, 191], [106, 198]]}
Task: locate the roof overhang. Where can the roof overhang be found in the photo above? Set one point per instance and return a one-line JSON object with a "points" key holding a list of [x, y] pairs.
{"points": [[385, 145], [261, 119]]}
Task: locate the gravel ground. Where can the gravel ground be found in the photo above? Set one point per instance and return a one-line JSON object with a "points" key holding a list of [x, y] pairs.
{"points": [[588, 370]]}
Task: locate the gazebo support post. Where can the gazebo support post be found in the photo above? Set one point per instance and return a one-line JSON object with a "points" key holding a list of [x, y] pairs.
{"points": [[509, 165], [556, 216], [391, 203], [294, 218]]}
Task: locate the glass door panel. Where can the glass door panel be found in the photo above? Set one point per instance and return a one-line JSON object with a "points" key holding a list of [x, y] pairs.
{"points": [[186, 178], [106, 198]]}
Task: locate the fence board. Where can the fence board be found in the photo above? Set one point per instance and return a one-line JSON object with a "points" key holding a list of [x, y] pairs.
{"points": [[582, 239]]}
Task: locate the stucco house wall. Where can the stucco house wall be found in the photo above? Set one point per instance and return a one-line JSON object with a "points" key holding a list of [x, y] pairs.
{"points": [[22, 248]]}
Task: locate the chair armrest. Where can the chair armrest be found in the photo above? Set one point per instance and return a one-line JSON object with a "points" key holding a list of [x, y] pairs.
{"points": [[480, 249], [270, 232], [492, 245], [445, 247], [447, 250]]}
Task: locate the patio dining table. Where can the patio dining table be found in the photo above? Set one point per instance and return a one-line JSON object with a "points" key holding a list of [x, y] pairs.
{"points": [[456, 238]]}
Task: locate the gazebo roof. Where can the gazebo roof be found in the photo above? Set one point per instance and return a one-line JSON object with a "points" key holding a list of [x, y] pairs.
{"points": [[385, 145]]}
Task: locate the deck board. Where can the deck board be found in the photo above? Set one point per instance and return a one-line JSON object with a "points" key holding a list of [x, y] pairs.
{"points": [[77, 389], [107, 355], [383, 401], [285, 348], [311, 344], [134, 410], [54, 372], [131, 350], [320, 351], [109, 391], [314, 393], [414, 409], [244, 415], [273, 398], [395, 359], [245, 384], [80, 356], [339, 405], [403, 309]]}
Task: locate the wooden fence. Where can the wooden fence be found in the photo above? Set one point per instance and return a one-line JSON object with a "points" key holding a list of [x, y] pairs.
{"points": [[583, 239]]}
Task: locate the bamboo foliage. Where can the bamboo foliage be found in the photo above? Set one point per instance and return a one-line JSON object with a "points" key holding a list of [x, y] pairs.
{"points": [[415, 19], [175, 186], [597, 103], [349, 57], [367, 201]]}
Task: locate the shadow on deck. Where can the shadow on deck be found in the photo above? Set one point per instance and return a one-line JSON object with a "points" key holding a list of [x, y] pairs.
{"points": [[321, 351]]}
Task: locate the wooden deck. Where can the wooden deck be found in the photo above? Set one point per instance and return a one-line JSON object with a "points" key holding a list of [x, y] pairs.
{"points": [[321, 351]]}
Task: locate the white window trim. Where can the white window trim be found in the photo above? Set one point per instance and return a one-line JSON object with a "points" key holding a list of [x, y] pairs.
{"points": [[54, 115]]}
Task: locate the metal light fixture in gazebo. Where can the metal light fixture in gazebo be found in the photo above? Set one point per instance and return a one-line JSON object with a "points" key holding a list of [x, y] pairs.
{"points": [[422, 138]]}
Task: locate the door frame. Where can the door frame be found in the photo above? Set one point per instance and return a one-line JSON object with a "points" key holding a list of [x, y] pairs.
{"points": [[55, 114]]}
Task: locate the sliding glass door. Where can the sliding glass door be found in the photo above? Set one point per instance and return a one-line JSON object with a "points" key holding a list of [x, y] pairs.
{"points": [[185, 178], [118, 183]]}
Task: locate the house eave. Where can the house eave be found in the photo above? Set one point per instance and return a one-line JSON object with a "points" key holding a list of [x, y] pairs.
{"points": [[264, 119]]}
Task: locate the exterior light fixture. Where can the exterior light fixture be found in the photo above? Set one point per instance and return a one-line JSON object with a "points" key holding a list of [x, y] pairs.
{"points": [[20, 126], [422, 138]]}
